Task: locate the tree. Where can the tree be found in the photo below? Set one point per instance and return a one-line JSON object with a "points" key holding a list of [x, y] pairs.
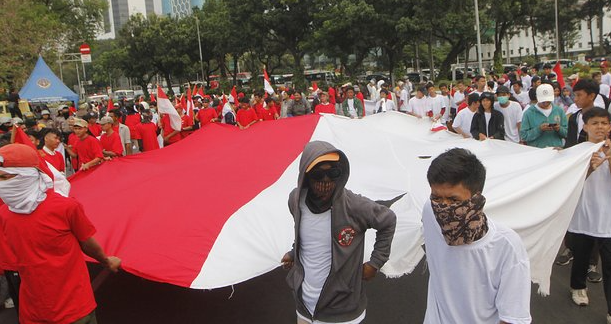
{"points": [[567, 23], [507, 17]]}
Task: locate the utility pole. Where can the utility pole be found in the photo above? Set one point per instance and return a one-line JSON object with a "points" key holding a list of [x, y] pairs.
{"points": [[479, 40], [199, 40]]}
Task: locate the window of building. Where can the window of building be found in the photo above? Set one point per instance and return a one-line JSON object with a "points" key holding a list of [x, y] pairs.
{"points": [[580, 45], [503, 53], [527, 50], [511, 52], [489, 54]]}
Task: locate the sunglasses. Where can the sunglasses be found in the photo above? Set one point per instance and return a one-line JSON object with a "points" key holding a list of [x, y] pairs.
{"points": [[319, 174]]}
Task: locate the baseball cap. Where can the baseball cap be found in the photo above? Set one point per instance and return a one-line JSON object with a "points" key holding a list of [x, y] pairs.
{"points": [[329, 157], [604, 64], [473, 97], [547, 66], [106, 120], [17, 120], [45, 112], [545, 92], [502, 89], [80, 122], [18, 156], [4, 120]]}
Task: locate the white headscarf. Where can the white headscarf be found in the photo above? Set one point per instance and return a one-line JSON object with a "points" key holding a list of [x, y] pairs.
{"points": [[23, 193]]}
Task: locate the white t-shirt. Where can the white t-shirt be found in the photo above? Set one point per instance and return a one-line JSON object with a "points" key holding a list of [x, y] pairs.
{"points": [[446, 103], [523, 98], [351, 109], [463, 120], [606, 79], [418, 106], [405, 99], [385, 105], [591, 216], [599, 102], [484, 282], [458, 96], [436, 104], [526, 82], [488, 116], [315, 253], [512, 115]]}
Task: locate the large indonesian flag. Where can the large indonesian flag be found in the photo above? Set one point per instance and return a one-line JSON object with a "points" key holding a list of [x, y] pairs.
{"points": [[234, 223], [164, 105]]}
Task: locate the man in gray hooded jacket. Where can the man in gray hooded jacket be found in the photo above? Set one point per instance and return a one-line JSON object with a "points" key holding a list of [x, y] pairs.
{"points": [[326, 262]]}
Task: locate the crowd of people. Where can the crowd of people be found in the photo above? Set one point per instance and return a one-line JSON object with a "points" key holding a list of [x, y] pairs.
{"points": [[528, 107]]}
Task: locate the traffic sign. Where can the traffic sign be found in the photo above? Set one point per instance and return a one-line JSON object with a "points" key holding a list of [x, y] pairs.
{"points": [[86, 58], [85, 49]]}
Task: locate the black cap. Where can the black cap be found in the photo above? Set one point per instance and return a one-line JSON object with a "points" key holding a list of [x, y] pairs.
{"points": [[547, 66], [502, 89], [486, 95]]}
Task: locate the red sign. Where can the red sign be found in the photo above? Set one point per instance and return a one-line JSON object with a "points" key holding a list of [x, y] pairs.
{"points": [[85, 49]]}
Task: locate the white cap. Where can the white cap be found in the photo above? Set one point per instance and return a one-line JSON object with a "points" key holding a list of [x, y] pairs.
{"points": [[4, 120], [45, 112], [545, 92]]}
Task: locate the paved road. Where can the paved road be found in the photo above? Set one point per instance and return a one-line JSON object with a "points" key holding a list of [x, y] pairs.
{"points": [[124, 298]]}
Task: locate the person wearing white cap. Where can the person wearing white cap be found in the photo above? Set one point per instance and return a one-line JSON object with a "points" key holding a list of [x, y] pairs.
{"points": [[5, 124], [544, 125], [46, 119], [46, 235], [373, 92]]}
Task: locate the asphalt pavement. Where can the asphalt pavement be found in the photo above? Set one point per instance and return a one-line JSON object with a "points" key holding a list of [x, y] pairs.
{"points": [[125, 298]]}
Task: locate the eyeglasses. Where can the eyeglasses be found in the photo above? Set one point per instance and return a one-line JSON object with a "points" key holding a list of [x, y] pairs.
{"points": [[319, 174]]}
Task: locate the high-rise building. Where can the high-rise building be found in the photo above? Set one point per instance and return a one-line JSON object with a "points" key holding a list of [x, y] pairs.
{"points": [[119, 11], [180, 8]]}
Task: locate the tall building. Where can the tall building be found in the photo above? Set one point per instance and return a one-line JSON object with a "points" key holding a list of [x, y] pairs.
{"points": [[119, 11], [180, 8]]}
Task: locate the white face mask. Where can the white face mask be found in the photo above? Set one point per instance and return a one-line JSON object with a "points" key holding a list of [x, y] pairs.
{"points": [[23, 193]]}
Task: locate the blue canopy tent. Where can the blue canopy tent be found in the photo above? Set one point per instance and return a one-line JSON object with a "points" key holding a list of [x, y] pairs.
{"points": [[44, 86]]}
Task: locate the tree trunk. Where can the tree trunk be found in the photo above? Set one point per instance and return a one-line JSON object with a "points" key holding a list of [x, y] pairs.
{"points": [[168, 80], [446, 66], [391, 65], [299, 80], [498, 46], [601, 36], [235, 70]]}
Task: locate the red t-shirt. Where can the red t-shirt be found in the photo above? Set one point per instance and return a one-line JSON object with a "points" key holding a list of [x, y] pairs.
{"points": [[87, 150], [112, 143], [148, 132], [57, 160], [95, 129], [187, 121], [359, 96], [329, 108], [205, 115], [332, 95], [131, 121], [267, 114], [55, 285], [167, 130], [246, 116]]}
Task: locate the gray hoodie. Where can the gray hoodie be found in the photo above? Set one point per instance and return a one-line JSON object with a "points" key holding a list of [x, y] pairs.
{"points": [[343, 295]]}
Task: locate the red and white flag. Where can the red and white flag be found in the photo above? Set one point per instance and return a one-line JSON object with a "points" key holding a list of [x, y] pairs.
{"points": [[234, 94], [266, 83], [245, 234], [164, 106], [559, 77], [190, 105]]}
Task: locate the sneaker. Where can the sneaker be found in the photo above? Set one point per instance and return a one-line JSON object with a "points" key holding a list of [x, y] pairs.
{"points": [[593, 275], [580, 297], [8, 303], [565, 258]]}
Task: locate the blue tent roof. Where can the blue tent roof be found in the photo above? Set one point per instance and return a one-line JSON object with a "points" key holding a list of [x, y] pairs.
{"points": [[44, 86]]}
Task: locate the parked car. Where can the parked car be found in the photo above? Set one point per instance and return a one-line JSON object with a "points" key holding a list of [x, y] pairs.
{"points": [[564, 63], [414, 77], [509, 68]]}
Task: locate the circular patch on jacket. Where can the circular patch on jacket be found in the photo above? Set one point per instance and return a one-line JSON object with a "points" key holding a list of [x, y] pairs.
{"points": [[346, 236]]}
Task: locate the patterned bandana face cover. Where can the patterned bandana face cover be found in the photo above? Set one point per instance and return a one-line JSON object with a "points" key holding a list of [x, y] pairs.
{"points": [[463, 222]]}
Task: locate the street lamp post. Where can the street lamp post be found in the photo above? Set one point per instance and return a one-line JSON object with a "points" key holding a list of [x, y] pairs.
{"points": [[557, 33], [479, 40], [199, 40]]}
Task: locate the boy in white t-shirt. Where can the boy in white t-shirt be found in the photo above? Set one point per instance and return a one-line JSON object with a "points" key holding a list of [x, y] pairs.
{"points": [[512, 113], [417, 106], [590, 223], [462, 121], [479, 270], [436, 104]]}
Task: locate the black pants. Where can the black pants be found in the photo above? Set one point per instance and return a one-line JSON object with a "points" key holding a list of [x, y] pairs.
{"points": [[582, 247], [14, 110]]}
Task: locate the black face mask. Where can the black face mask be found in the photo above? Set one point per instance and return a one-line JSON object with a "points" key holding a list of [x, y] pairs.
{"points": [[321, 187], [66, 115]]}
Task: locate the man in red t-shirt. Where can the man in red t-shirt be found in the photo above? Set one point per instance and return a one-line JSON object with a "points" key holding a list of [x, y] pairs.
{"points": [[87, 149], [246, 115], [258, 101], [94, 127], [110, 140], [267, 111], [47, 234], [170, 136], [148, 132], [206, 114], [186, 122], [52, 138], [324, 106]]}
